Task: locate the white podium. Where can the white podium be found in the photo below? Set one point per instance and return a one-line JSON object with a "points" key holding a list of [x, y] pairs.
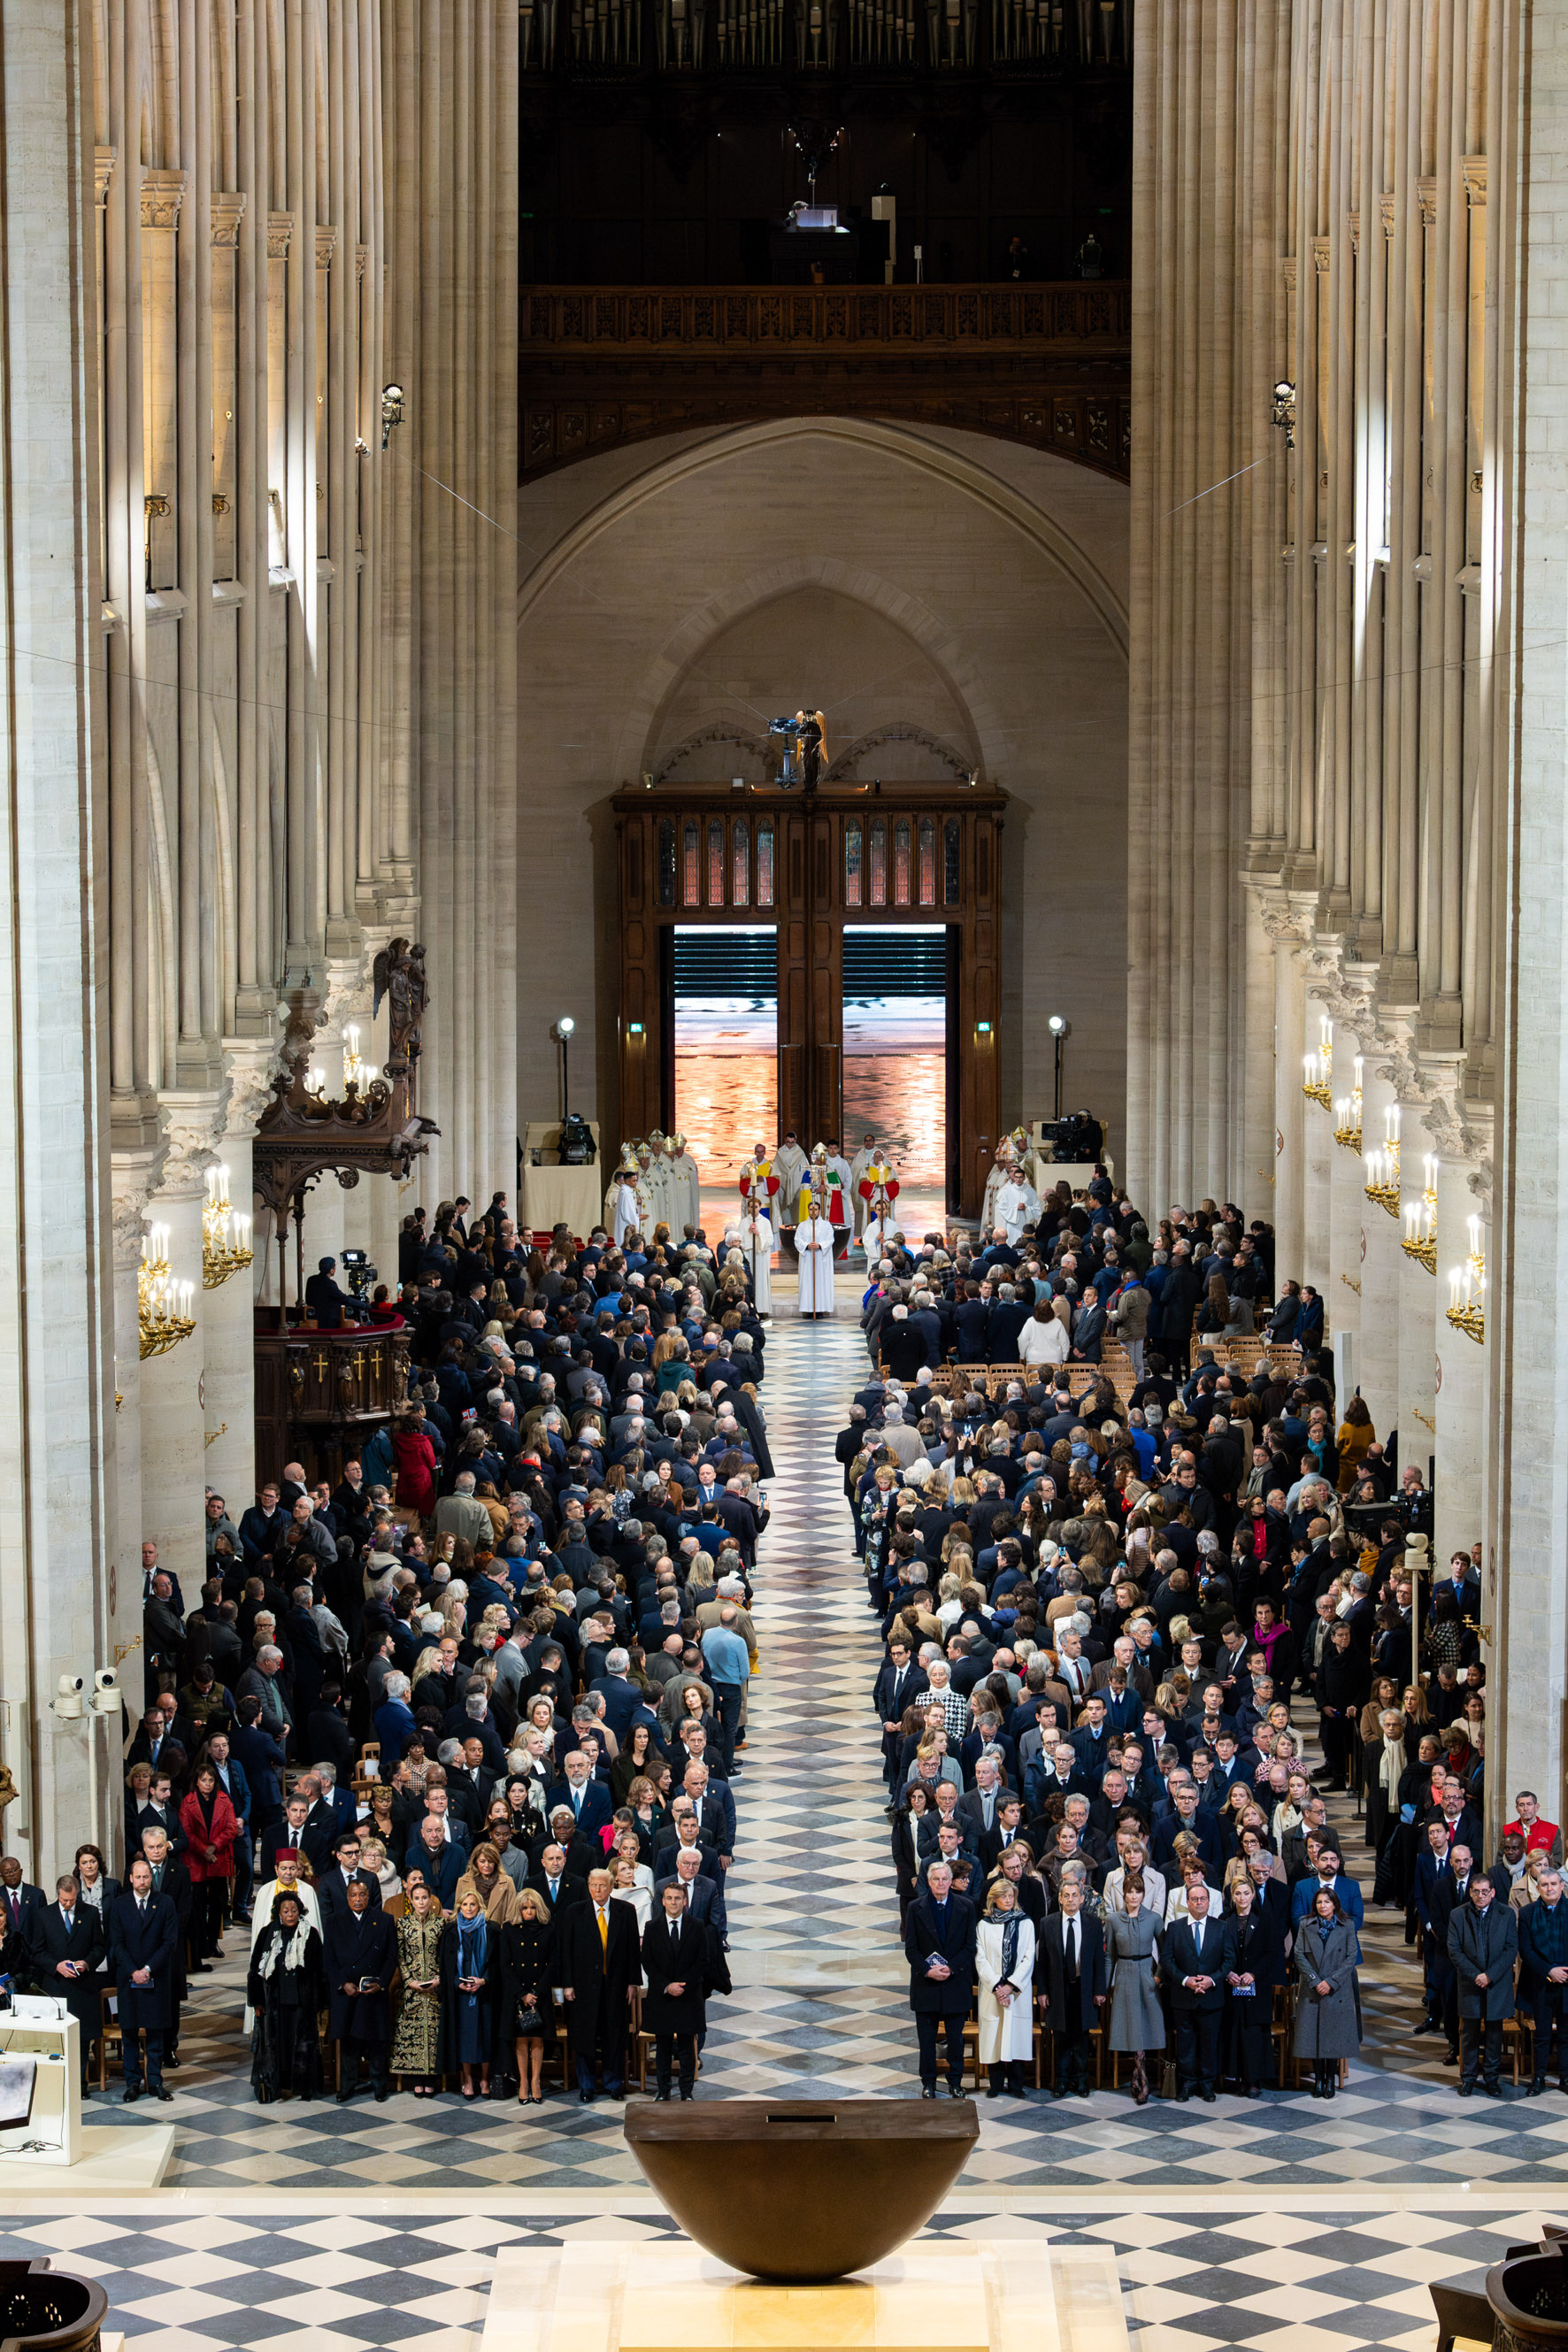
{"points": [[44, 2029]]}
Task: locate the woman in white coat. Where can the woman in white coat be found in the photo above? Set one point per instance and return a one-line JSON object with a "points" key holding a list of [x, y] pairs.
{"points": [[1005, 1964]]}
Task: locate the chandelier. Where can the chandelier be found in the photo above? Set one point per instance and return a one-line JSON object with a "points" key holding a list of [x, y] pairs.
{"points": [[223, 1253], [163, 1305]]}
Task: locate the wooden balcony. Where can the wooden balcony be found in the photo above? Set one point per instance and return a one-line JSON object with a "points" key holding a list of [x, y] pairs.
{"points": [[1047, 365]]}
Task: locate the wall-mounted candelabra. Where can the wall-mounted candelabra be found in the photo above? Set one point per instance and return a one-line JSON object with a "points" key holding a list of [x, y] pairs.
{"points": [[1466, 1290], [163, 1305], [1347, 1115], [225, 1237], [1421, 1218], [1319, 1068], [1383, 1167]]}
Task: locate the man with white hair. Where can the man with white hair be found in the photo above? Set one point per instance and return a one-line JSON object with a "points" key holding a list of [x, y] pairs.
{"points": [[460, 1513], [900, 1439]]}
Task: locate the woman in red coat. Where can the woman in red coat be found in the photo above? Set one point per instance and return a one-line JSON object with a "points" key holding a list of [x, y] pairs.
{"points": [[414, 1459], [208, 1821]]}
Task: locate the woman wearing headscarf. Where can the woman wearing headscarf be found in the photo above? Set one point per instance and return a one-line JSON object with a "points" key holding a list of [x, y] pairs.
{"points": [[287, 1993], [471, 1991], [1005, 1965]]}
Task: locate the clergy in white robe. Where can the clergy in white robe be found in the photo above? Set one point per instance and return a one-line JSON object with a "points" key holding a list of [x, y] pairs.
{"points": [[789, 1165], [626, 1218], [688, 1187], [881, 1233], [814, 1248], [865, 1157], [1018, 1206]]}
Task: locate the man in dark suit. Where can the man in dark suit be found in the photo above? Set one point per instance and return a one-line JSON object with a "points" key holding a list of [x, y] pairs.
{"points": [[143, 1936], [1543, 1980], [939, 1943], [1483, 1945], [1197, 1958], [442, 1861], [66, 1947], [899, 1682], [20, 1902], [560, 1887], [1186, 1814], [595, 1963], [1073, 1983], [1448, 1892], [588, 1801], [701, 1894], [332, 1886], [361, 1946]]}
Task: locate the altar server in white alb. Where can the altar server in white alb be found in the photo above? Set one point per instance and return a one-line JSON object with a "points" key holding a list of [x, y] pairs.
{"points": [[625, 1215], [814, 1248], [754, 1240]]}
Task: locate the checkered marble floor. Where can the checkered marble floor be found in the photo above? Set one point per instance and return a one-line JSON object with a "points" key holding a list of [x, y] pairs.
{"points": [[820, 1982], [1242, 2275]]}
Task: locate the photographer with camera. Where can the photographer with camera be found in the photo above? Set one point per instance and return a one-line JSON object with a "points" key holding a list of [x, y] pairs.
{"points": [[332, 1308]]}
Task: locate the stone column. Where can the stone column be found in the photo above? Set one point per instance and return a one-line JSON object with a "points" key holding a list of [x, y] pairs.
{"points": [[1347, 1176], [1378, 1371], [229, 1360], [1419, 1297], [1289, 1103], [1460, 1370], [1317, 1153], [173, 1416], [56, 1393]]}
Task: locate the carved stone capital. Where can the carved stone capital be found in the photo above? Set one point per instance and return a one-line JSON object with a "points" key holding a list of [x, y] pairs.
{"points": [[1322, 254], [133, 1177], [193, 1127], [362, 255], [226, 210], [1347, 996], [1474, 168], [1386, 209], [250, 1069], [1426, 189], [348, 992], [326, 246], [163, 192], [103, 162], [280, 229]]}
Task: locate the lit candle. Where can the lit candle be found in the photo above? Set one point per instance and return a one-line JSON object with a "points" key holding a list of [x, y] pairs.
{"points": [[1454, 1281], [1473, 1227], [242, 1232], [1393, 1122], [1372, 1168]]}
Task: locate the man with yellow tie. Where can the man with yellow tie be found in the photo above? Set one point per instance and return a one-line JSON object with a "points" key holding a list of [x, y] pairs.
{"points": [[597, 1966]]}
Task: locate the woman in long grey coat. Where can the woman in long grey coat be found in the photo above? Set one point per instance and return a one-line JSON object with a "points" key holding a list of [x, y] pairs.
{"points": [[1328, 1994], [1131, 1948]]}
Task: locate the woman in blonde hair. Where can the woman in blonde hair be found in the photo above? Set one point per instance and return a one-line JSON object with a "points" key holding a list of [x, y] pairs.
{"points": [[1005, 1965]]}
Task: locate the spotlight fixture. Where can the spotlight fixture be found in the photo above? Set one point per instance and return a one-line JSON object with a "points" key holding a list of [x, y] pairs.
{"points": [[1285, 412]]}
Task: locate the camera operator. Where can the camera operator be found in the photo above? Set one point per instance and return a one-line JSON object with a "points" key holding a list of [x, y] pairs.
{"points": [[332, 1308]]}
